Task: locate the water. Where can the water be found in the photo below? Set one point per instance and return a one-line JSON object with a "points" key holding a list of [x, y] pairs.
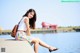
{"points": [[66, 42]]}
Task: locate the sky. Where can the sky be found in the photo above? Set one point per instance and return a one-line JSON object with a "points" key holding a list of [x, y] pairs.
{"points": [[50, 11]]}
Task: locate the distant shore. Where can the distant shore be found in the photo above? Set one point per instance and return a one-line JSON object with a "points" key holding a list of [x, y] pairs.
{"points": [[44, 30]]}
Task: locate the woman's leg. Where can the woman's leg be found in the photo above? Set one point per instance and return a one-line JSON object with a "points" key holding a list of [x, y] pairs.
{"points": [[43, 43], [36, 45], [37, 41], [47, 46]]}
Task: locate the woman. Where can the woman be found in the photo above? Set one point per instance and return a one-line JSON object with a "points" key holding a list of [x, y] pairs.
{"points": [[23, 33]]}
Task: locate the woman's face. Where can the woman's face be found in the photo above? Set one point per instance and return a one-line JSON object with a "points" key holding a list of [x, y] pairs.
{"points": [[30, 14]]}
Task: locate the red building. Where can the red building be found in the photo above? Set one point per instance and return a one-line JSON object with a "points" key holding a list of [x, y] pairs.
{"points": [[47, 25]]}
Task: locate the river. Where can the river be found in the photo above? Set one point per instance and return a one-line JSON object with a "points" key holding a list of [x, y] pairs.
{"points": [[66, 42]]}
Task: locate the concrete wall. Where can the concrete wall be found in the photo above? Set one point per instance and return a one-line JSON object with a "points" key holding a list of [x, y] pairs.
{"points": [[13, 46]]}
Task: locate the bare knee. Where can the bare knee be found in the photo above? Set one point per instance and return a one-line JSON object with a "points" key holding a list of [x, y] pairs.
{"points": [[36, 40]]}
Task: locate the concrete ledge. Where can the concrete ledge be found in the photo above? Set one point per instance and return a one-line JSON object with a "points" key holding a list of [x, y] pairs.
{"points": [[13, 46]]}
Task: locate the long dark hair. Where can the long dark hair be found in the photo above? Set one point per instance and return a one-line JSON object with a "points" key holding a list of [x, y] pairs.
{"points": [[32, 20]]}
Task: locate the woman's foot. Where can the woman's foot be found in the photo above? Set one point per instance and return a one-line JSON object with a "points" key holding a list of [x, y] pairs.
{"points": [[52, 49]]}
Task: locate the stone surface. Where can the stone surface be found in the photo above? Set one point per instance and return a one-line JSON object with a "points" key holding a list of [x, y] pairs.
{"points": [[13, 46]]}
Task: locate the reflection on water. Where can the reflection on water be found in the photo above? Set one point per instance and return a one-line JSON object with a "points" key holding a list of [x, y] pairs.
{"points": [[66, 42]]}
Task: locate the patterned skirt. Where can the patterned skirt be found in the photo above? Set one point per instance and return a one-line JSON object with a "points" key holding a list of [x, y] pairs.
{"points": [[23, 37]]}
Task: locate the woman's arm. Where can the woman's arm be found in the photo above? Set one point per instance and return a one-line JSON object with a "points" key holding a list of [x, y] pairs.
{"points": [[26, 21]]}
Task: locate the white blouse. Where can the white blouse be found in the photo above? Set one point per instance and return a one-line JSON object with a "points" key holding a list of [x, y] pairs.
{"points": [[22, 25]]}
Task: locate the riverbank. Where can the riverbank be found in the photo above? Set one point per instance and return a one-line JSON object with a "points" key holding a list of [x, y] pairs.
{"points": [[44, 30]]}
